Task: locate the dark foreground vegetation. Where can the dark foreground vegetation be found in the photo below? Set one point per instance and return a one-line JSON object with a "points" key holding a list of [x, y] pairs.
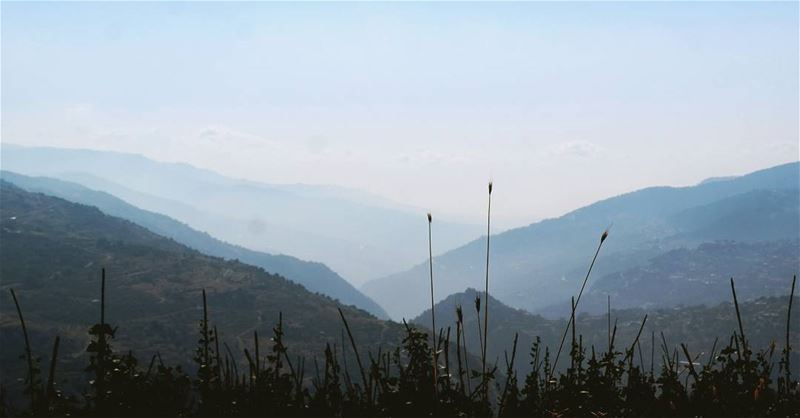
{"points": [[737, 380]]}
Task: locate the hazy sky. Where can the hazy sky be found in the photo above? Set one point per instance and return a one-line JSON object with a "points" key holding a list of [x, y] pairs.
{"points": [[561, 104]]}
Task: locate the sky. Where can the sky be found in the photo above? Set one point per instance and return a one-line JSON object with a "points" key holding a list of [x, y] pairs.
{"points": [[560, 104]]}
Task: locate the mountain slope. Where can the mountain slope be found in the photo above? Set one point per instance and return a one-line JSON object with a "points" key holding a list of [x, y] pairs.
{"points": [[545, 262], [697, 326], [700, 276], [316, 277], [51, 252], [762, 215], [358, 235]]}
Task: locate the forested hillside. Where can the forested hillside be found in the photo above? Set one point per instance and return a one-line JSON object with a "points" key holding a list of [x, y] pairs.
{"points": [[52, 252], [316, 277]]}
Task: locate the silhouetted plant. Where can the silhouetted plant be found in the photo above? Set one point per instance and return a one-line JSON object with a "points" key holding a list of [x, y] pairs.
{"points": [[734, 381], [32, 382]]}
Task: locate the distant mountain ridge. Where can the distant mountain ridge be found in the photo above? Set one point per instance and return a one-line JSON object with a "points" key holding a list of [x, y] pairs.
{"points": [[358, 235], [543, 263], [316, 277]]}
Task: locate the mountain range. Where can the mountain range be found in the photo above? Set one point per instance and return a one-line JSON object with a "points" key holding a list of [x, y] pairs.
{"points": [[359, 235], [543, 264], [667, 246], [316, 277]]}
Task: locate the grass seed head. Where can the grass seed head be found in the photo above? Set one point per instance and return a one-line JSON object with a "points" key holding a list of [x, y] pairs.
{"points": [[430, 218]]}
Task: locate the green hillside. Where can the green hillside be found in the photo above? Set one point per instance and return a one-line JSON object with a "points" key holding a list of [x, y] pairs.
{"points": [[316, 277], [51, 253], [686, 277]]}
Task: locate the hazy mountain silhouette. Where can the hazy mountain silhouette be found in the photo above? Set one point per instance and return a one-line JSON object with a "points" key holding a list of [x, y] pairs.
{"points": [[544, 263], [316, 277], [358, 235], [52, 252]]}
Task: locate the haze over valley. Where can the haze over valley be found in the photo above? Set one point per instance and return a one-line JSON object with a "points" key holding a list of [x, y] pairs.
{"points": [[674, 237], [359, 235]]}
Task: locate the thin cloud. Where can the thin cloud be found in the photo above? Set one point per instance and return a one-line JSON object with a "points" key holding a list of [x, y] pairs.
{"points": [[223, 135], [429, 156], [579, 149]]}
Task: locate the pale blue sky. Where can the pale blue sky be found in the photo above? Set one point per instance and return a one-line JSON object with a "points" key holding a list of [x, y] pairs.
{"points": [[562, 104]]}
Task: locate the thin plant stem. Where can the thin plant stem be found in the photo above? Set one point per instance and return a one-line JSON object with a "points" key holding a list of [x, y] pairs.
{"points": [[51, 376], [486, 294], [433, 310], [575, 307], [358, 358], [739, 318], [101, 377], [609, 323], [788, 348], [28, 354]]}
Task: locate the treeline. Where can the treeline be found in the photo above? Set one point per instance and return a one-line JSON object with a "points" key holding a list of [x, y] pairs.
{"points": [[420, 378]]}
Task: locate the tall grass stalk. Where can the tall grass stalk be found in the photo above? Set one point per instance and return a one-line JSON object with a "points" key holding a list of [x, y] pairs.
{"points": [[788, 348], [233, 361], [478, 322], [629, 354], [739, 320], [28, 354], [206, 339], [510, 375], [366, 382], [459, 337], [51, 375], [434, 361], [609, 322], [575, 305], [217, 354], [486, 296], [101, 339]]}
